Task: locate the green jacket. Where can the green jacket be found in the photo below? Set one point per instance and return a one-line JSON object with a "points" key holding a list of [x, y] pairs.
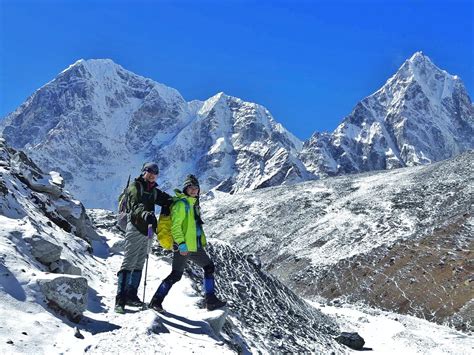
{"points": [[185, 222], [142, 198]]}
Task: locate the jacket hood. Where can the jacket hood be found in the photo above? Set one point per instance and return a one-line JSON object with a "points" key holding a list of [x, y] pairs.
{"points": [[181, 195]]}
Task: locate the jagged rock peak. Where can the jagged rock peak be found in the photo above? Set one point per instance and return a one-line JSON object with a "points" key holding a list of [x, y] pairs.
{"points": [[419, 61], [433, 81], [421, 115]]}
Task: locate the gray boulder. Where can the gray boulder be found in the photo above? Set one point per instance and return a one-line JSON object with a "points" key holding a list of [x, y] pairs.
{"points": [[65, 294], [63, 266], [74, 212], [43, 250]]}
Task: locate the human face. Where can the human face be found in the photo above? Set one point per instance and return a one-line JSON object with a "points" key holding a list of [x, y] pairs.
{"points": [[150, 176], [192, 190]]}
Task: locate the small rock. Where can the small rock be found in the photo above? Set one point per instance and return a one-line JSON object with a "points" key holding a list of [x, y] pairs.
{"points": [[24, 333], [10, 342], [352, 340]]}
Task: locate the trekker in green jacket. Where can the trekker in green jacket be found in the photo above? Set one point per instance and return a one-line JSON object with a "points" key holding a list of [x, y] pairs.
{"points": [[143, 195], [189, 242]]}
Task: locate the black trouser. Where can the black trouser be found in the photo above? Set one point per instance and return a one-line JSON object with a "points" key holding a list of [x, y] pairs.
{"points": [[201, 258]]}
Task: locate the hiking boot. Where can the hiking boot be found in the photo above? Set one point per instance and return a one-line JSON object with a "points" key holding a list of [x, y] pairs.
{"points": [[134, 301], [119, 304], [160, 295], [212, 302], [119, 309], [156, 306], [133, 282]]}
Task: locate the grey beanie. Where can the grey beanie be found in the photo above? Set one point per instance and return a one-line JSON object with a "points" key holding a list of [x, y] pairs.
{"points": [[151, 167]]}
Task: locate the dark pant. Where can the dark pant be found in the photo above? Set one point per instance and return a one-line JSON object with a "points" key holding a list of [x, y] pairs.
{"points": [[179, 263], [199, 257]]}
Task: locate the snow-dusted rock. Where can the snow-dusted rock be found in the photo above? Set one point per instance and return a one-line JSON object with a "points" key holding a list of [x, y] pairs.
{"points": [[66, 293], [45, 191], [45, 251], [272, 317], [75, 213], [63, 266], [463, 318], [26, 169], [157, 326], [118, 247]]}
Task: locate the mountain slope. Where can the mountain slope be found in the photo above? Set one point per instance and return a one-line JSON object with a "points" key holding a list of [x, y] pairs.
{"points": [[400, 240], [45, 236], [58, 283]]}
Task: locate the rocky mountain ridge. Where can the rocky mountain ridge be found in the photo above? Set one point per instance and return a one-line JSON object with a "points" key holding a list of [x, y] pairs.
{"points": [[96, 123]]}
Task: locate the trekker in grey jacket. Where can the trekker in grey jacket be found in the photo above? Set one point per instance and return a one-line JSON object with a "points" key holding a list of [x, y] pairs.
{"points": [[143, 195]]}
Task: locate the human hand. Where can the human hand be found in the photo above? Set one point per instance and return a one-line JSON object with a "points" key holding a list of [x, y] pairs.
{"points": [[150, 219]]}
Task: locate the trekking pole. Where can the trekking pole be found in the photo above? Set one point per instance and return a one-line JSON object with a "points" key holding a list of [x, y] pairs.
{"points": [[150, 235]]}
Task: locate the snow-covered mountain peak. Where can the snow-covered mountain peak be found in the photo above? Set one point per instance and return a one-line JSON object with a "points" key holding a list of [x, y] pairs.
{"points": [[218, 100], [419, 61], [100, 67], [434, 82], [93, 69], [418, 57], [97, 116], [109, 77], [97, 122], [422, 114], [222, 101]]}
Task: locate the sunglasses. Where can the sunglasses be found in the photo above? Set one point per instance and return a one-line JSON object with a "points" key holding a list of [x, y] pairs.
{"points": [[153, 171]]}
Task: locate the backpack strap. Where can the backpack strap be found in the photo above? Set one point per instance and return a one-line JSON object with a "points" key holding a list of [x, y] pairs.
{"points": [[140, 193], [140, 190], [186, 205]]}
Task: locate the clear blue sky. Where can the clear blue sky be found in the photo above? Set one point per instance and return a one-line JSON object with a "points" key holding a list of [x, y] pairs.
{"points": [[308, 62]]}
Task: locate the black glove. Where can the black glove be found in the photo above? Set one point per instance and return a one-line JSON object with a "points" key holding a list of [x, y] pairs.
{"points": [[150, 218]]}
